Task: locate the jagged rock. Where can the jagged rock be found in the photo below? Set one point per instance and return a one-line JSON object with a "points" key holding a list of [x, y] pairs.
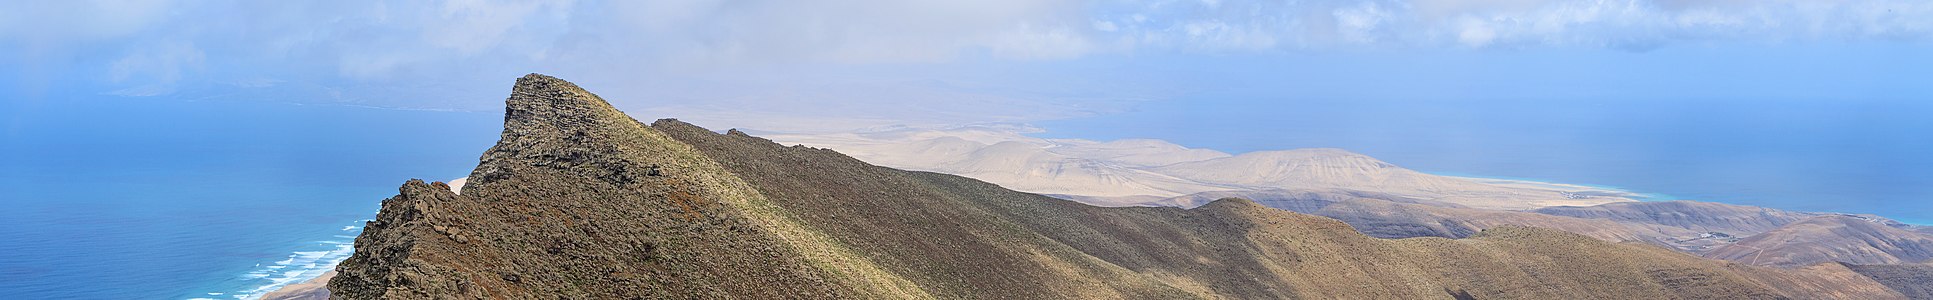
{"points": [[566, 200]]}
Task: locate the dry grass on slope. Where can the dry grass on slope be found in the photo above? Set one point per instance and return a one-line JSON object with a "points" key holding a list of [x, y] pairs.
{"points": [[1832, 238], [579, 201], [960, 236]]}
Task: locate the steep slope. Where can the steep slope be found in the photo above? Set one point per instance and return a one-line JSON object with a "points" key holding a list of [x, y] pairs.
{"points": [[1913, 280], [1232, 248], [1832, 238], [579, 201], [1829, 281]]}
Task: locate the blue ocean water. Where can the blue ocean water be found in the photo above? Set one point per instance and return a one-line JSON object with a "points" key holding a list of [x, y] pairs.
{"points": [[1849, 156], [139, 198], [181, 199]]}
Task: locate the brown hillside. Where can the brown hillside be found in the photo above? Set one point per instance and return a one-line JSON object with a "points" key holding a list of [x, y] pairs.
{"points": [[580, 201], [1913, 280], [1831, 238]]}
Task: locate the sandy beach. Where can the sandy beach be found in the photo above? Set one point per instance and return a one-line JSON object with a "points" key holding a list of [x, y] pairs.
{"points": [[313, 289]]}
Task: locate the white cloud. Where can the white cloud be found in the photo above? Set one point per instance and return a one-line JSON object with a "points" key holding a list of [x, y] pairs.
{"points": [[372, 50], [471, 26], [1359, 23], [155, 68], [380, 38], [1618, 24], [79, 20], [1105, 26], [1475, 32], [846, 30]]}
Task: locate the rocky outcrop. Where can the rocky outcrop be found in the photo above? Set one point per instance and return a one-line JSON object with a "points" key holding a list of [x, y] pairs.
{"points": [[580, 201]]}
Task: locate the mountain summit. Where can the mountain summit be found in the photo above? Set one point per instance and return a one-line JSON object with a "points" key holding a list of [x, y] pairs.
{"points": [[580, 201]]}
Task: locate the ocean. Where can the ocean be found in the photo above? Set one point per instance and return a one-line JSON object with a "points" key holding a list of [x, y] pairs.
{"points": [[131, 198], [1849, 156]]}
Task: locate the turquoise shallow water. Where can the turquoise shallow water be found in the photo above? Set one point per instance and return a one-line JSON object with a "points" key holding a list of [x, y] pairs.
{"points": [[179, 200], [1640, 196], [182, 199]]}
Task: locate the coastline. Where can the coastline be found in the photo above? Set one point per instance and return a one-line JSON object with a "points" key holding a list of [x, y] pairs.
{"points": [[313, 289], [1597, 190], [310, 269], [317, 287]]}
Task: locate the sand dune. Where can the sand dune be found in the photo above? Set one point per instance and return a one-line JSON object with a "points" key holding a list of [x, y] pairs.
{"points": [[1136, 171]]}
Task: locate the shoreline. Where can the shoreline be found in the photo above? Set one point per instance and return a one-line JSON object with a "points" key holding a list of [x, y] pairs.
{"points": [[317, 286], [1612, 191], [312, 276], [312, 289], [301, 268]]}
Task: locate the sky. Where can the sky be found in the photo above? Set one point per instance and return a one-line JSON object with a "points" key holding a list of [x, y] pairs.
{"points": [[870, 63], [194, 119], [840, 65]]}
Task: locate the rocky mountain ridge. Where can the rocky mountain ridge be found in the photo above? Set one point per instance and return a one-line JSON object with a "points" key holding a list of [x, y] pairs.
{"points": [[1376, 197], [580, 201]]}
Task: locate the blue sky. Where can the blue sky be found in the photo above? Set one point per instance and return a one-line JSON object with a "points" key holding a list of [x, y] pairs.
{"points": [[770, 63], [309, 112], [1829, 66]]}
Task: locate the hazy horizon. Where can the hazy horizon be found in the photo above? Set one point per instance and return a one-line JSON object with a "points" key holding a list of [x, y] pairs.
{"points": [[121, 117]]}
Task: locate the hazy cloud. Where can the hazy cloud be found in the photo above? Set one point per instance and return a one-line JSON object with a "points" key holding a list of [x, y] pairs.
{"points": [[385, 52], [1618, 24], [373, 38]]}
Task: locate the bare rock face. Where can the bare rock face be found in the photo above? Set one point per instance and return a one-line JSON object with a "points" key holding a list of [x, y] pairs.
{"points": [[567, 204], [579, 201]]}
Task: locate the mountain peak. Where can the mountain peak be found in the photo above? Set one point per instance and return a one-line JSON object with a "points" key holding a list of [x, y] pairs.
{"points": [[548, 119], [585, 202], [542, 103], [545, 85]]}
